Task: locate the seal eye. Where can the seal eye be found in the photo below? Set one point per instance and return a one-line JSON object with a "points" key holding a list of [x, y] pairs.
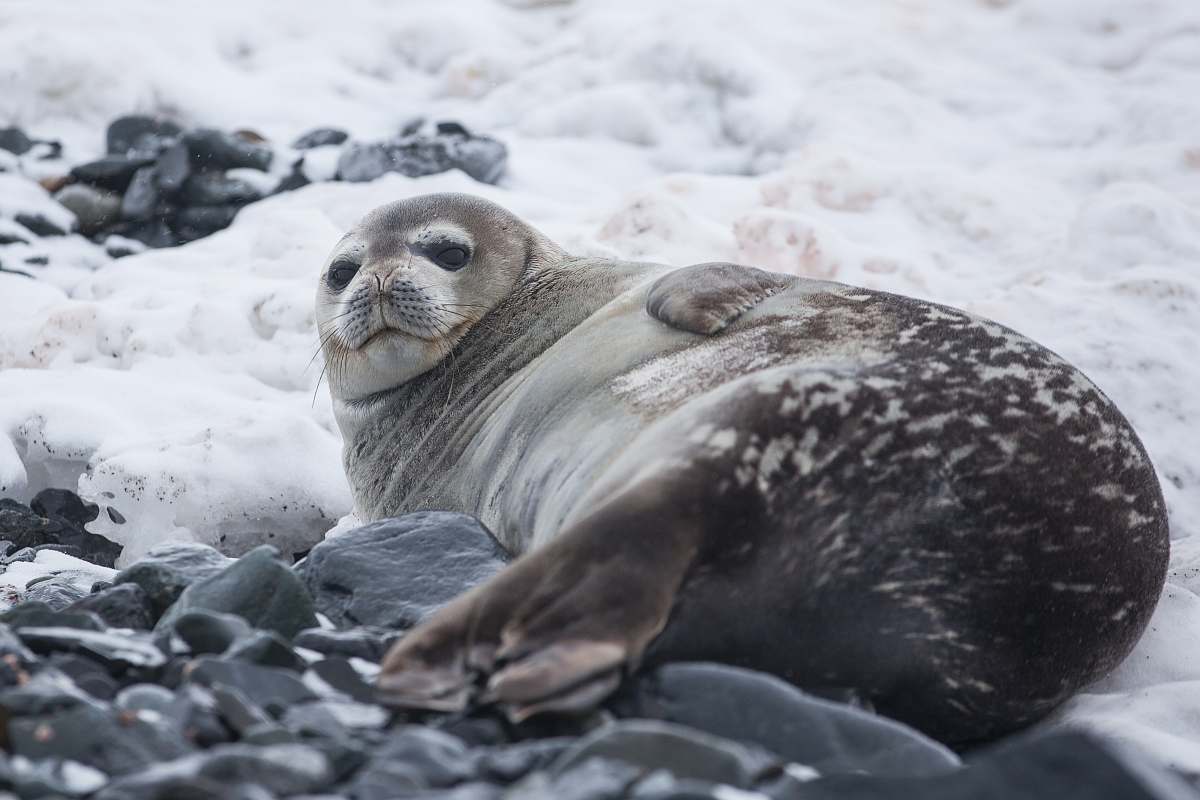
{"points": [[340, 273], [452, 257]]}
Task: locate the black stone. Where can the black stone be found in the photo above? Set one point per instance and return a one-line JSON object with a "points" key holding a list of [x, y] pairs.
{"points": [[413, 758], [142, 197], [94, 208], [452, 128], [124, 606], [146, 697], [749, 706], [238, 711], [51, 778], [12, 238], [364, 162], [40, 615], [24, 554], [294, 180], [267, 649], [12, 649], [110, 172], [139, 133], [210, 632], [66, 505], [215, 189], [342, 680], [26, 527], [40, 225], [152, 233], [195, 712], [369, 644], [509, 763], [257, 587], [396, 572], [170, 568], [196, 222], [596, 779], [15, 141], [320, 137], [173, 168], [55, 594], [482, 158], [121, 653], [214, 149], [38, 261], [334, 719], [272, 689], [111, 742], [46, 691], [87, 674]]}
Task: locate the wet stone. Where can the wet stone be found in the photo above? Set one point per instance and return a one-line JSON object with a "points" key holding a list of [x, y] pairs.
{"points": [[396, 572], [214, 149], [124, 606], [110, 172], [56, 518], [45, 691], [64, 504], [40, 225], [238, 711], [412, 759], [40, 615], [320, 137], [267, 649], [196, 222], [145, 697], [119, 652], [273, 689], [151, 233], [55, 594], [323, 716], [173, 168], [336, 678], [85, 673], [12, 648], [95, 208], [141, 198], [139, 133], [211, 631], [15, 141], [369, 644], [49, 778], [257, 587], [168, 569], [215, 189]]}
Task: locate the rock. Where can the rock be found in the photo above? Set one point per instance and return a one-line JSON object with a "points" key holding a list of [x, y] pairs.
{"points": [[85, 673], [294, 179], [146, 697], [417, 154], [119, 247], [40, 615], [12, 649], [369, 644], [272, 689], [24, 554], [335, 678], [65, 505], [113, 743], [319, 137], [396, 572], [142, 196], [40, 261], [238, 711], [284, 770], [140, 133], [211, 631], [364, 162], [50, 778], [151, 233], [214, 149], [48, 690], [25, 527], [257, 587], [482, 158], [40, 225], [173, 167], [95, 208], [15, 141], [168, 569], [119, 652], [509, 763], [196, 222], [323, 717], [55, 594], [214, 189], [266, 649], [13, 238], [684, 752], [110, 172], [749, 706], [597, 779], [195, 713], [124, 606], [413, 758]]}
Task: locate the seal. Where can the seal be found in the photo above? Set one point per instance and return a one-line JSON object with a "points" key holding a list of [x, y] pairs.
{"points": [[846, 488]]}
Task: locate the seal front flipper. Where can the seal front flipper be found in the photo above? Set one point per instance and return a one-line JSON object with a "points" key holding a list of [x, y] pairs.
{"points": [[706, 298]]}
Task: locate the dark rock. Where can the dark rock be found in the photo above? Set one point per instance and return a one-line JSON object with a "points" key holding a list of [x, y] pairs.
{"points": [[39, 261], [146, 697], [109, 741], [320, 137], [196, 222], [324, 717], [124, 606], [413, 758], [24, 554], [26, 527], [266, 649], [257, 587], [1064, 765], [95, 208], [364, 162], [452, 128], [48, 690], [12, 238], [196, 713], [283, 770], [12, 649], [15, 141], [86, 674], [210, 631], [747, 706], [58, 595], [142, 196], [369, 644], [40, 225], [173, 168], [597, 779], [414, 155], [170, 568], [120, 247], [341, 679], [294, 180], [396, 572], [114, 515], [272, 689], [49, 778], [215, 189], [48, 149], [120, 653], [509, 763], [140, 133], [214, 149], [65, 505], [482, 158], [684, 752], [110, 172], [152, 233], [40, 615], [238, 711]]}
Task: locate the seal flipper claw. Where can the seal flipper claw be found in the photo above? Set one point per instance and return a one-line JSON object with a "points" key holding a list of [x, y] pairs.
{"points": [[706, 298]]}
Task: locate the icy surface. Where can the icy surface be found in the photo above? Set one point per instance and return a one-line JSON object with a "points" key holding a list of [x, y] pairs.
{"points": [[1034, 162]]}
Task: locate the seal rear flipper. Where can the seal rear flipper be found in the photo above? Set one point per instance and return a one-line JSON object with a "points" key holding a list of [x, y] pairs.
{"points": [[706, 298]]}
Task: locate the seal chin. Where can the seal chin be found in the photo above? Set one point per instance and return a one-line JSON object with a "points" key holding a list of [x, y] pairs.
{"points": [[386, 359]]}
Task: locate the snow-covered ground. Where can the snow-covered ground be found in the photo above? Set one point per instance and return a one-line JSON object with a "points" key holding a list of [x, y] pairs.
{"points": [[1034, 161]]}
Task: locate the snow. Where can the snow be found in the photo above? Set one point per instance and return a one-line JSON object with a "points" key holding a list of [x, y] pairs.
{"points": [[1033, 162]]}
